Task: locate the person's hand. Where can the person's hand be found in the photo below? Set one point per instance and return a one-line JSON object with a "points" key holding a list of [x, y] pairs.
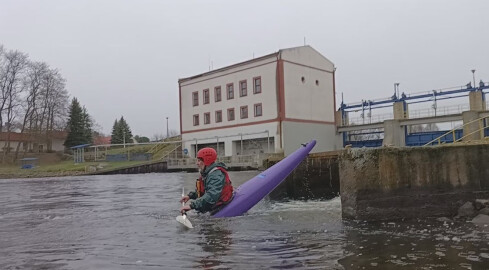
{"points": [[184, 199], [185, 209]]}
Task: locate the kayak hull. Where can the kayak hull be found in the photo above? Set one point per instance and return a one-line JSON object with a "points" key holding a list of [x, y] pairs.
{"points": [[255, 189]]}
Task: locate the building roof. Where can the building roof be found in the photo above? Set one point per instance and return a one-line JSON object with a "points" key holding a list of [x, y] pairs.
{"points": [[29, 137], [15, 137], [101, 140], [275, 54], [228, 67]]}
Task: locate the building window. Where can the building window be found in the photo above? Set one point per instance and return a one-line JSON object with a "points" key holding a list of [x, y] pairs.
{"points": [[195, 98], [256, 85], [243, 91], [217, 94], [218, 116], [206, 96], [196, 119], [231, 114], [207, 118], [243, 112], [230, 90], [258, 110]]}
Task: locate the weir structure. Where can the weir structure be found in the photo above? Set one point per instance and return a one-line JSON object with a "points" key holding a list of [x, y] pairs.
{"points": [[395, 129], [383, 178]]}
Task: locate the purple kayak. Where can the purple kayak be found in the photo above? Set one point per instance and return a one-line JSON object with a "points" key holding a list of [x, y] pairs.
{"points": [[255, 189]]}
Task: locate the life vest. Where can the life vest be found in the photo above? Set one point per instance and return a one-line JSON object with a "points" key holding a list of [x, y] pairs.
{"points": [[227, 190]]}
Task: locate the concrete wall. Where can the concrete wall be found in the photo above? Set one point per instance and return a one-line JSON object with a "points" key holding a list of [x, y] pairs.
{"points": [[317, 177], [146, 168], [391, 183]]}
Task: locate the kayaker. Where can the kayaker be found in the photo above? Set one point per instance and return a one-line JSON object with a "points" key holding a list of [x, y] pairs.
{"points": [[213, 188]]}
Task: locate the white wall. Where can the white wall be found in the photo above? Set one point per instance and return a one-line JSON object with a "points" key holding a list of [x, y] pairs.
{"points": [[296, 133], [58, 145], [308, 100], [265, 68], [306, 55], [229, 135]]}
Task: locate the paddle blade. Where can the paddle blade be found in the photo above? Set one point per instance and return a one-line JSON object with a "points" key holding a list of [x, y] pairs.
{"points": [[184, 221]]}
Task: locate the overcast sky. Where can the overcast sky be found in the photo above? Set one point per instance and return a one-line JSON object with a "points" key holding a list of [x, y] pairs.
{"points": [[125, 57]]}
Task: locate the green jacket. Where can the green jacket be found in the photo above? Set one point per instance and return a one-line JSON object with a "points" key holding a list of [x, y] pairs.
{"points": [[213, 183]]}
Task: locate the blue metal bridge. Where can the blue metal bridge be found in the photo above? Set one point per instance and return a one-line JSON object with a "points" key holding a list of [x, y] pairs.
{"points": [[372, 134]]}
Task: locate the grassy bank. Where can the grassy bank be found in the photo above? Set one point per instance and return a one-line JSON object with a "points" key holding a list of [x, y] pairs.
{"points": [[64, 168]]}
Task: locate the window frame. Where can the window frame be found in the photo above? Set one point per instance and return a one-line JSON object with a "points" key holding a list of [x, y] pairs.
{"points": [[254, 85], [227, 91], [241, 83], [261, 109], [207, 116], [196, 119], [241, 116], [218, 119], [216, 95], [195, 98], [234, 115], [204, 95]]}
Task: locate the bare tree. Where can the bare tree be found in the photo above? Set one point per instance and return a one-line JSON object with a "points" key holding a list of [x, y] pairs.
{"points": [[32, 87], [158, 137], [13, 63], [11, 72], [49, 111], [33, 99]]}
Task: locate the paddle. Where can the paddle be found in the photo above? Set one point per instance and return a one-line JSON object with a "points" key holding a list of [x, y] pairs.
{"points": [[183, 218]]}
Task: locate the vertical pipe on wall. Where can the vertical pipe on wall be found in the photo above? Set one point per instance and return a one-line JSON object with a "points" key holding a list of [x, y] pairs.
{"points": [[268, 141]]}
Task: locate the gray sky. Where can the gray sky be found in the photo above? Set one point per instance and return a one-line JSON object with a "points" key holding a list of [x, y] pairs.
{"points": [[125, 57]]}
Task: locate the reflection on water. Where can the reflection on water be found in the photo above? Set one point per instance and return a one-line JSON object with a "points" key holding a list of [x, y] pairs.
{"points": [[128, 222]]}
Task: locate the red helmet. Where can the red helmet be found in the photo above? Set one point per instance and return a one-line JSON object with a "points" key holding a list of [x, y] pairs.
{"points": [[208, 155]]}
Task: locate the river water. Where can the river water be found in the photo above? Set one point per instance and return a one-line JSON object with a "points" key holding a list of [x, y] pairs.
{"points": [[128, 222]]}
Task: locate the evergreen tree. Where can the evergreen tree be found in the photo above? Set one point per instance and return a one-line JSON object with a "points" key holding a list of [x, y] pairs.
{"points": [[77, 126], [125, 131], [115, 138], [141, 139], [87, 126], [121, 132]]}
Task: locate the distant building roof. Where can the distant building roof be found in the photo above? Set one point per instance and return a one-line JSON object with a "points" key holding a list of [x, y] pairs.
{"points": [[101, 140], [29, 137], [16, 137]]}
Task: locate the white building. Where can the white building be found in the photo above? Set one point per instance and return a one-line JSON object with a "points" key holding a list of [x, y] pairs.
{"points": [[267, 104]]}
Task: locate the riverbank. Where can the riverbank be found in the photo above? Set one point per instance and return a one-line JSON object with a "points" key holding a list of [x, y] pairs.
{"points": [[62, 168]]}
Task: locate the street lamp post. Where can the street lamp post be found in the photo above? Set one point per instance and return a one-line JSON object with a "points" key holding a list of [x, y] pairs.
{"points": [[396, 90], [167, 133], [473, 76]]}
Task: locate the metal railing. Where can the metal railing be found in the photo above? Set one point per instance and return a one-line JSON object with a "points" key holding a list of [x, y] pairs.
{"points": [[413, 114], [230, 161], [481, 130]]}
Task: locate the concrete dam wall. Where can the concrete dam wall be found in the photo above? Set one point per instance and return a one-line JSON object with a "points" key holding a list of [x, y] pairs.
{"points": [[392, 183], [317, 177]]}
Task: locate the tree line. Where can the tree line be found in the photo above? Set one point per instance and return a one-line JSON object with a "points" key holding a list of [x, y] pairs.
{"points": [[33, 98], [34, 101]]}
